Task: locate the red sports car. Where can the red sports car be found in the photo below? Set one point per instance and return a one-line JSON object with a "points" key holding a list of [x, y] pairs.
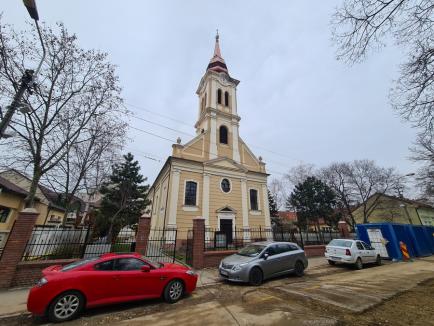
{"points": [[64, 291]]}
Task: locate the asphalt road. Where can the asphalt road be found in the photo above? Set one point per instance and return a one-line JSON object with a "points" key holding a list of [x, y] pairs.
{"points": [[326, 295]]}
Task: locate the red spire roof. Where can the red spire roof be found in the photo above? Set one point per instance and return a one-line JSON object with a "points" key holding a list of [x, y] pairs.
{"points": [[217, 63]]}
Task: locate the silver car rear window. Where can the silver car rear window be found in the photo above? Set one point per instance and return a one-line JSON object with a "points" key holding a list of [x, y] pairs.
{"points": [[340, 243]]}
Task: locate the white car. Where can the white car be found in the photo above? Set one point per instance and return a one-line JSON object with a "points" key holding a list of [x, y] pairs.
{"points": [[354, 252]]}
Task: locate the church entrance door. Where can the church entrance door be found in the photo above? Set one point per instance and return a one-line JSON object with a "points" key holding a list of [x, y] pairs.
{"points": [[227, 228]]}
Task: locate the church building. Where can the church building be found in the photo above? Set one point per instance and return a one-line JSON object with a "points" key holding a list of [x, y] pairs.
{"points": [[215, 175]]}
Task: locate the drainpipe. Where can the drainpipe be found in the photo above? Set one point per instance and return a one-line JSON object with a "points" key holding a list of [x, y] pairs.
{"points": [[417, 212]]}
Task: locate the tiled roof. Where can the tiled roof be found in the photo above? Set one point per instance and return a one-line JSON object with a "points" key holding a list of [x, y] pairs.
{"points": [[9, 186]]}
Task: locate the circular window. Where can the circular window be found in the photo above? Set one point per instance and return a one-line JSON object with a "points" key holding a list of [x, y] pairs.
{"points": [[225, 185]]}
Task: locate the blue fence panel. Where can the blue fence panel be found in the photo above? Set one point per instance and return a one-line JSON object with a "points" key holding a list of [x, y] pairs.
{"points": [[420, 240]]}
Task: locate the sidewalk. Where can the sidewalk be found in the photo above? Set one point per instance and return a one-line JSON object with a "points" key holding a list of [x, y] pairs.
{"points": [[13, 301]]}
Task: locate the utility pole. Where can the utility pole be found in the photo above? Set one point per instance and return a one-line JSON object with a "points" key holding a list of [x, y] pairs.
{"points": [[25, 85], [28, 78]]}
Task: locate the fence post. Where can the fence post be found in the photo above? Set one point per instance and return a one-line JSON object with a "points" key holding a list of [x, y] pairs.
{"points": [[16, 244], [143, 230], [86, 239], [344, 229], [198, 242]]}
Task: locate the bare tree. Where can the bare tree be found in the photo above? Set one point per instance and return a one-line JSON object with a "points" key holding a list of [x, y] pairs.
{"points": [[337, 177], [76, 89], [360, 26], [299, 173], [366, 179], [423, 152], [100, 141], [279, 189]]}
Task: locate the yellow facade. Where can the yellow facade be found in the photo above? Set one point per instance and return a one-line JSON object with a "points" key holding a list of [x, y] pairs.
{"points": [[391, 209], [227, 178], [14, 202]]}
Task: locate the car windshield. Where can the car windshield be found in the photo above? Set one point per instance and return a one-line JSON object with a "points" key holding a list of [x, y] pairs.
{"points": [[78, 263], [340, 243], [251, 250]]}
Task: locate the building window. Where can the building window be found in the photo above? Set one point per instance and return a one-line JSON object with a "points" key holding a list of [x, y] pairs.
{"points": [[4, 213], [225, 185], [190, 193], [219, 96], [226, 99], [253, 199], [223, 131]]}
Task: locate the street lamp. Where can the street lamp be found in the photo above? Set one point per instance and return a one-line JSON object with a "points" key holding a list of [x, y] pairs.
{"points": [[29, 75]]}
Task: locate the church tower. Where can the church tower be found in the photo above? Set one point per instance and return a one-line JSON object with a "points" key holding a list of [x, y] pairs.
{"points": [[214, 175]]}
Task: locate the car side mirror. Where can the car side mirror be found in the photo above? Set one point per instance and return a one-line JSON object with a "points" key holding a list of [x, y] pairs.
{"points": [[265, 256], [145, 268]]}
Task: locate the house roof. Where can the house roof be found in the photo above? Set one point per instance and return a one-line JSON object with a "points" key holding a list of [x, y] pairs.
{"points": [[416, 203], [10, 187], [287, 215]]}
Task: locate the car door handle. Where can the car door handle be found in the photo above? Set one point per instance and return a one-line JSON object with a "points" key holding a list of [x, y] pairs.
{"points": [[116, 277], [162, 278]]}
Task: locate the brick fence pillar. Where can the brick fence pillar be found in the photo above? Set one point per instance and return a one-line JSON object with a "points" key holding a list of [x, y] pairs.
{"points": [[198, 242], [143, 230], [344, 229], [16, 244]]}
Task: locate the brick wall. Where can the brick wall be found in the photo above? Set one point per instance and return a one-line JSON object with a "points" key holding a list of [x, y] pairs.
{"points": [[213, 258], [28, 272], [314, 250]]}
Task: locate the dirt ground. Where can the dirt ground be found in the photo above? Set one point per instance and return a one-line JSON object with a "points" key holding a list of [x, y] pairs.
{"points": [[393, 294]]}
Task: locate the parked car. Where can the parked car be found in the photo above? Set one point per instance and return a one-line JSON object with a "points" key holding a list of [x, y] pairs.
{"points": [[354, 252], [64, 292], [262, 260]]}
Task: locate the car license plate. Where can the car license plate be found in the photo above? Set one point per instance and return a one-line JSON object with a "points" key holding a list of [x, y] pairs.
{"points": [[224, 273], [335, 258]]}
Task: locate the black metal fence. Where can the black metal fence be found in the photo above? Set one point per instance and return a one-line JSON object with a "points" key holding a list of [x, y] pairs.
{"points": [[238, 238], [161, 245], [48, 242]]}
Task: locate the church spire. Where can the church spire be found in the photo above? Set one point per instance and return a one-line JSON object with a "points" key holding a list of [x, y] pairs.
{"points": [[217, 63]]}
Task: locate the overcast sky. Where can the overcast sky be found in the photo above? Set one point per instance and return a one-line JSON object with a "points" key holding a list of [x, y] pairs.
{"points": [[296, 101]]}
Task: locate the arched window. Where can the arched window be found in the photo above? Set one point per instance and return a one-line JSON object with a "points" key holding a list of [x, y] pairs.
{"points": [[190, 193], [219, 96], [223, 135], [226, 99]]}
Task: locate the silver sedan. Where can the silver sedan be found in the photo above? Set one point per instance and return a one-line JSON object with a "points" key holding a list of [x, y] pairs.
{"points": [[262, 260]]}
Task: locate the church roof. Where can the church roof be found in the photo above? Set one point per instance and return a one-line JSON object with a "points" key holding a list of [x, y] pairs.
{"points": [[217, 63]]}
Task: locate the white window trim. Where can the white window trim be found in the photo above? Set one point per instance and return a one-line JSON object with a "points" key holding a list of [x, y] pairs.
{"points": [[256, 211], [192, 208], [230, 185]]}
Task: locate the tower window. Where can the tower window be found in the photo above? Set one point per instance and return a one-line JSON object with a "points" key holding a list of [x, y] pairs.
{"points": [[223, 135], [190, 193], [226, 99], [219, 96], [253, 199]]}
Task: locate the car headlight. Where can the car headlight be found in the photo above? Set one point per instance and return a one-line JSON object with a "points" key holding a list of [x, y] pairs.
{"points": [[238, 267], [42, 282], [191, 272]]}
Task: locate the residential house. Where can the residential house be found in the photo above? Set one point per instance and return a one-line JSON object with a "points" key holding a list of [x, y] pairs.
{"points": [[290, 217], [386, 208]]}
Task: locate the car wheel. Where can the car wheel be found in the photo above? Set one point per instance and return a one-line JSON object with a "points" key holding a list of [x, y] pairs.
{"points": [[359, 264], [378, 261], [256, 277], [299, 269], [331, 262], [66, 306], [173, 291]]}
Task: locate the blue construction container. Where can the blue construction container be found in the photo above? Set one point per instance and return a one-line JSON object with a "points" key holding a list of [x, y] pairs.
{"points": [[418, 239]]}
